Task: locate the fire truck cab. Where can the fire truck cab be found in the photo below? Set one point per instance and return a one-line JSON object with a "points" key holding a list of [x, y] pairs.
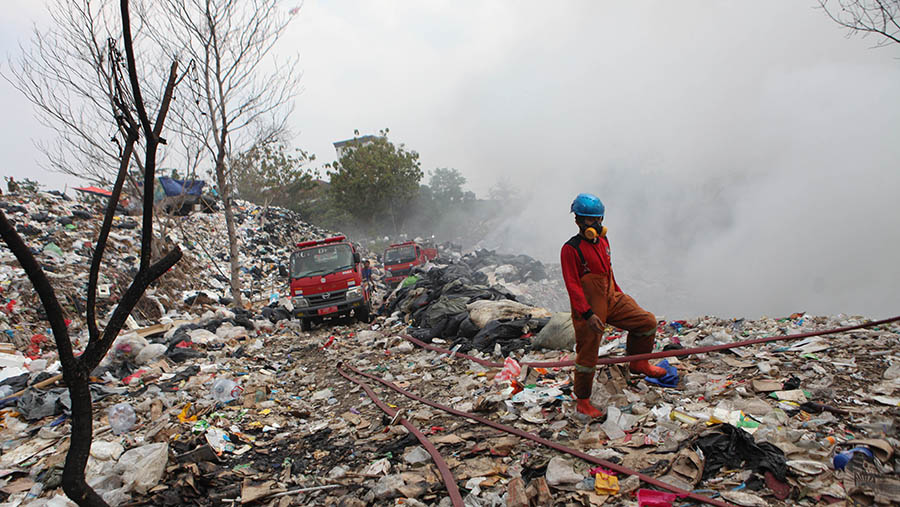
{"points": [[400, 258], [326, 282]]}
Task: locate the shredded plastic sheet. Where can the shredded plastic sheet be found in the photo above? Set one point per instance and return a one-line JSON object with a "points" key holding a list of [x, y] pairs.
{"points": [[511, 370]]}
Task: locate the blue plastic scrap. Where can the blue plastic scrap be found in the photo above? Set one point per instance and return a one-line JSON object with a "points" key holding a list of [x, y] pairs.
{"points": [[670, 379]]}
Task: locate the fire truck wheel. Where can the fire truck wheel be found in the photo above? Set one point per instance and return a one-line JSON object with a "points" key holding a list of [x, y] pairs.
{"points": [[364, 315]]}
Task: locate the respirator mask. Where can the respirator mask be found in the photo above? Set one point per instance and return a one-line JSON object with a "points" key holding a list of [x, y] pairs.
{"points": [[594, 230]]}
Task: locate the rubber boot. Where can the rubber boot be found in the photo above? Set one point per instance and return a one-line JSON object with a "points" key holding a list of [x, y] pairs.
{"points": [[642, 343], [585, 407], [647, 369], [583, 385]]}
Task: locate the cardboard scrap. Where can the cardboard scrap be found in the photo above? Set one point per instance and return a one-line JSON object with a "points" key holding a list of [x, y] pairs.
{"points": [[766, 386]]}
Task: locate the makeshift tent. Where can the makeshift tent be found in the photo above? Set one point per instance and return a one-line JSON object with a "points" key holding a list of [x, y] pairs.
{"points": [[173, 187]]}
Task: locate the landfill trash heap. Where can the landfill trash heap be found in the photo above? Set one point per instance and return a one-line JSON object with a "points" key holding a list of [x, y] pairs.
{"points": [[61, 233], [198, 403]]}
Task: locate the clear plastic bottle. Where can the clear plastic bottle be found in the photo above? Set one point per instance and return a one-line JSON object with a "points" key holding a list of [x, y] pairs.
{"points": [[121, 418], [35, 491], [225, 390]]}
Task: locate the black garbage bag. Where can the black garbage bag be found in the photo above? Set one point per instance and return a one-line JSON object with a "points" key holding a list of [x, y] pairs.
{"points": [[725, 445], [275, 313], [453, 324], [426, 334], [507, 332], [467, 328], [179, 355]]}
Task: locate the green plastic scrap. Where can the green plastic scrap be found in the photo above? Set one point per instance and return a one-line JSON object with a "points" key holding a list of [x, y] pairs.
{"points": [[409, 280], [53, 248], [746, 422]]}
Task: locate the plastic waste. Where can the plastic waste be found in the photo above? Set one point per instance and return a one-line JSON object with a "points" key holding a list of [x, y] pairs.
{"points": [[53, 249], [606, 484], [654, 498], [841, 459], [511, 369], [121, 418], [35, 491], [225, 390], [219, 440], [143, 467]]}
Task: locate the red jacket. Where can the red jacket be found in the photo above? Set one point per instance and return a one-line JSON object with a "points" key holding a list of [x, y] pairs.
{"points": [[596, 256]]}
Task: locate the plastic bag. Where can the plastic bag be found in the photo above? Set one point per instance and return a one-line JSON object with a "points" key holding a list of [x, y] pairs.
{"points": [[143, 467], [511, 369]]}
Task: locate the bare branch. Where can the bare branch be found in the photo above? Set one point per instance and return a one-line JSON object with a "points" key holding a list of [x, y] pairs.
{"points": [[880, 17]]}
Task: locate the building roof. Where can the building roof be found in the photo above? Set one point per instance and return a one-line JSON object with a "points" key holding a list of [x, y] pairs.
{"points": [[355, 140]]}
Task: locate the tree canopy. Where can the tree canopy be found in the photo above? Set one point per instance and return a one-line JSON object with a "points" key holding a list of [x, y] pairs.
{"points": [[270, 173], [375, 181]]}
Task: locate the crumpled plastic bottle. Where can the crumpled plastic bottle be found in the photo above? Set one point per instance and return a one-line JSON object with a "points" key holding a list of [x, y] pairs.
{"points": [[121, 418], [225, 390]]}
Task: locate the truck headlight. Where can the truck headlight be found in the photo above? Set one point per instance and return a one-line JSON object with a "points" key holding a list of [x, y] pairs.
{"points": [[354, 293], [300, 301]]}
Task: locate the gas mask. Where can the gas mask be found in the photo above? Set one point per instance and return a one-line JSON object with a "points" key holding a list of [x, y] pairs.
{"points": [[594, 230]]}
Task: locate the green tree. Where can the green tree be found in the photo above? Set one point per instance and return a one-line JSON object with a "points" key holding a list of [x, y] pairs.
{"points": [[376, 181], [446, 186], [269, 173]]}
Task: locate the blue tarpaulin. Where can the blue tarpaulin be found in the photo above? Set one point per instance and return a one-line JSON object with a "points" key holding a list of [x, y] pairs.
{"points": [[174, 187]]}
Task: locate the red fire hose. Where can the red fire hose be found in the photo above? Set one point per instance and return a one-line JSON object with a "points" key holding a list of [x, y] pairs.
{"points": [[543, 441], [664, 353], [446, 474]]}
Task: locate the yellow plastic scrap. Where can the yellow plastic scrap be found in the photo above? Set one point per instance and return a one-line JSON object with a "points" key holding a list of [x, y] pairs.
{"points": [[183, 416], [265, 412], [606, 484]]}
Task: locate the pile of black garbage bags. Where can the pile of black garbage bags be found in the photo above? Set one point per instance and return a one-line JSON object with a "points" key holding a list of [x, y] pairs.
{"points": [[436, 305]]}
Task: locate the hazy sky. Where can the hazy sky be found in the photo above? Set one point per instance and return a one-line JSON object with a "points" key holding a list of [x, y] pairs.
{"points": [[748, 152]]}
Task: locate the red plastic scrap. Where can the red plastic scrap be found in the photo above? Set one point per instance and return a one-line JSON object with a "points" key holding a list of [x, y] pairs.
{"points": [[34, 350], [329, 342], [184, 344], [601, 470], [654, 498], [127, 380], [10, 305]]}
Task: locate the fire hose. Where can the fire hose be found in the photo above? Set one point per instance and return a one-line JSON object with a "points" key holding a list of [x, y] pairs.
{"points": [[608, 360], [446, 474], [661, 354], [524, 434]]}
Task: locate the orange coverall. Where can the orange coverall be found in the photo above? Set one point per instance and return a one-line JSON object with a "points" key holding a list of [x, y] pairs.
{"points": [[593, 290]]}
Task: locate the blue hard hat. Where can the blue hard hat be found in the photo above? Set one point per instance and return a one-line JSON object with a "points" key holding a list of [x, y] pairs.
{"points": [[588, 205]]}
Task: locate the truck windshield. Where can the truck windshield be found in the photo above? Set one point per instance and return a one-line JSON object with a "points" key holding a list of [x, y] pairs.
{"points": [[321, 260], [400, 254]]}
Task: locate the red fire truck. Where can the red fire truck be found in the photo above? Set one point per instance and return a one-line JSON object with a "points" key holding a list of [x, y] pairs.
{"points": [[326, 282], [400, 258]]}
